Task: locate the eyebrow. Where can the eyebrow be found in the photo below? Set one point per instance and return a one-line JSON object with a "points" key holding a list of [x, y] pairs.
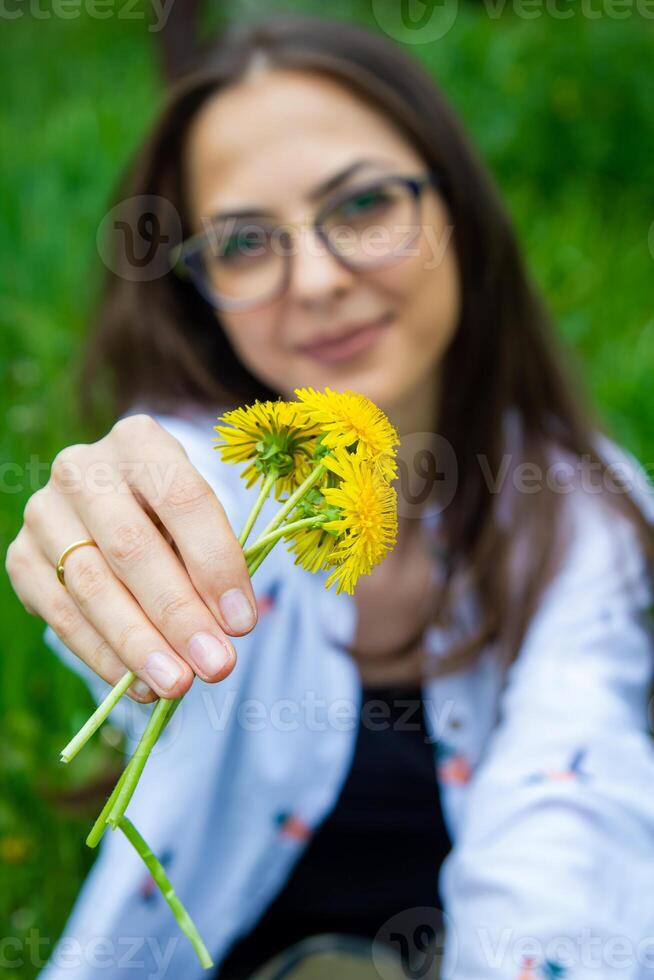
{"points": [[325, 187]]}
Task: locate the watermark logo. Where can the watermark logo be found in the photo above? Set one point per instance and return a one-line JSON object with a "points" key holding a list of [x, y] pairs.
{"points": [[417, 935], [135, 238], [415, 21], [427, 475]]}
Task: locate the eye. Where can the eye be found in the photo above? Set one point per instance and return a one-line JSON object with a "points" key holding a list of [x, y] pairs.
{"points": [[244, 245], [364, 204]]}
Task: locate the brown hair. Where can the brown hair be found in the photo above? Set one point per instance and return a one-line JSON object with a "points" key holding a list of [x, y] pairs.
{"points": [[158, 343]]}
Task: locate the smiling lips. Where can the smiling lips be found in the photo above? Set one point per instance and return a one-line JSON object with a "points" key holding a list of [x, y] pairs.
{"points": [[347, 344]]}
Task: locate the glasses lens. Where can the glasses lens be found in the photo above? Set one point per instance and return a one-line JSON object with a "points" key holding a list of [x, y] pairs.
{"points": [[242, 263], [374, 224]]}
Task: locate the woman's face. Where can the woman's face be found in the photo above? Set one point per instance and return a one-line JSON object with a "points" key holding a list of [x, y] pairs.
{"points": [[267, 145]]}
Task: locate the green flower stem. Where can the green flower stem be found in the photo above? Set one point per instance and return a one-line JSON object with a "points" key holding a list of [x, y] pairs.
{"points": [[274, 536], [113, 812], [257, 559], [95, 835], [267, 486], [91, 726], [100, 825], [160, 877], [163, 710], [294, 499]]}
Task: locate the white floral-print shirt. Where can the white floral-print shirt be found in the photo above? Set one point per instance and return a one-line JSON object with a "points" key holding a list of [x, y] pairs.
{"points": [[546, 776]]}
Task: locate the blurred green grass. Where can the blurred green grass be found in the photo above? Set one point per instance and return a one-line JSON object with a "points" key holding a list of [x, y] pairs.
{"points": [[560, 109]]}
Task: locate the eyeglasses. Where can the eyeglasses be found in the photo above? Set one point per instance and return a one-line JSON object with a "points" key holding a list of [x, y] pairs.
{"points": [[238, 263]]}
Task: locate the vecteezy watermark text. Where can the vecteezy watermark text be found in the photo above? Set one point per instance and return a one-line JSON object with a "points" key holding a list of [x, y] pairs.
{"points": [[426, 21], [226, 708], [99, 952], [428, 476], [155, 11]]}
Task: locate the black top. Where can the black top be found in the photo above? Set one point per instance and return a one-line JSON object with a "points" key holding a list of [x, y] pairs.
{"points": [[378, 852]]}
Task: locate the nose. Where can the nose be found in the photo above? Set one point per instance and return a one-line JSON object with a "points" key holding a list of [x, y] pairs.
{"points": [[316, 277]]}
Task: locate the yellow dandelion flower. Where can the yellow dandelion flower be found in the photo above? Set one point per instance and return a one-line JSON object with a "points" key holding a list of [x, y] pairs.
{"points": [[349, 418], [270, 436], [367, 522]]}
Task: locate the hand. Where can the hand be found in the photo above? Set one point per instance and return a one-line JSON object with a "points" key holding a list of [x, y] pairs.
{"points": [[168, 580]]}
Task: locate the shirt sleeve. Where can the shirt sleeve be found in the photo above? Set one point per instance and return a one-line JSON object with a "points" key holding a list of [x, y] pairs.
{"points": [[552, 869], [195, 435]]}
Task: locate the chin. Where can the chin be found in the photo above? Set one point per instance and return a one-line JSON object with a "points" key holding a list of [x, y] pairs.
{"points": [[374, 381], [362, 382]]}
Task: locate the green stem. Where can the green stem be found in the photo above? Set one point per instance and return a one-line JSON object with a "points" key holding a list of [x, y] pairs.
{"points": [[113, 812], [258, 559], [103, 710], [158, 719], [98, 828], [100, 825], [288, 506], [160, 877], [294, 499], [265, 539], [268, 484]]}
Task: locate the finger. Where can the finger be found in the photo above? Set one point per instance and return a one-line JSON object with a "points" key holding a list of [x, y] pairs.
{"points": [[145, 563], [194, 517], [36, 585], [108, 606]]}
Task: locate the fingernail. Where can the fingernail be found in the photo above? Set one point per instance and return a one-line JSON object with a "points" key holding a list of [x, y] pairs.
{"points": [[208, 654], [163, 669], [141, 689], [237, 611]]}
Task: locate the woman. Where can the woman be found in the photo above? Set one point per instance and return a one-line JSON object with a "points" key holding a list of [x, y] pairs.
{"points": [[337, 229]]}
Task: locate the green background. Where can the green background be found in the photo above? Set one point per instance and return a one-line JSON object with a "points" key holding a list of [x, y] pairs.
{"points": [[561, 109]]}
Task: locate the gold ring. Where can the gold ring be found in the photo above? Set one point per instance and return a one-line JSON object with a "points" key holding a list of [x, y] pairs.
{"points": [[66, 552]]}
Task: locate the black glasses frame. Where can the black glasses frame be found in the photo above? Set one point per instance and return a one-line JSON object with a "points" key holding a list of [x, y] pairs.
{"points": [[187, 261]]}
